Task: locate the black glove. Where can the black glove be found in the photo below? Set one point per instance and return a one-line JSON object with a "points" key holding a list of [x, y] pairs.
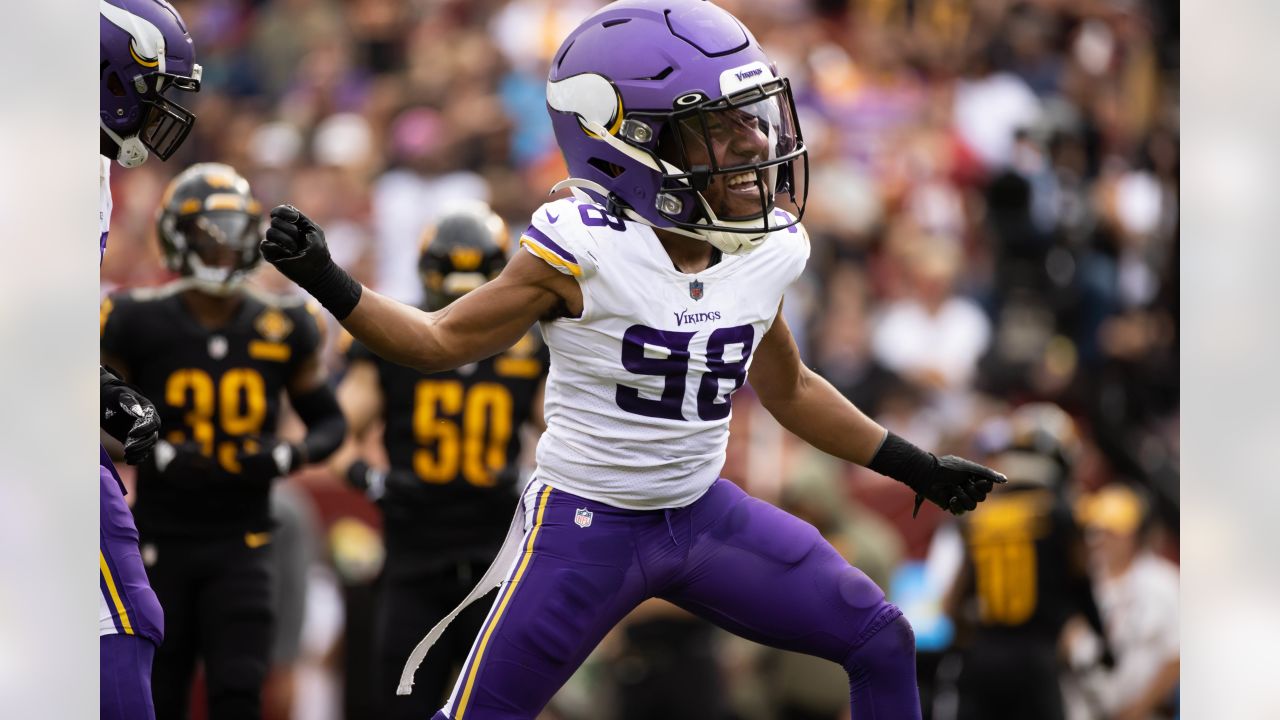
{"points": [[296, 246], [367, 479], [273, 460], [952, 483], [128, 417], [183, 465], [375, 482]]}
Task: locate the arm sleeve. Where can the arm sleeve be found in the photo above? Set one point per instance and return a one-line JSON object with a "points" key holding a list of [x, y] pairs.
{"points": [[326, 426]]}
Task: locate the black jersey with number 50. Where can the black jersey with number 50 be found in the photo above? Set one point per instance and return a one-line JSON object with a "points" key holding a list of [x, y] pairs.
{"points": [[458, 434]]}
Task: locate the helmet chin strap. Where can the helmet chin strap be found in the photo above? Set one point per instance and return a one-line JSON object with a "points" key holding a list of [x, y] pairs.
{"points": [[132, 152], [731, 243]]}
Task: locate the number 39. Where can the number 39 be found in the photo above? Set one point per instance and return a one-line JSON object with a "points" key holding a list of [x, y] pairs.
{"points": [[675, 368]]}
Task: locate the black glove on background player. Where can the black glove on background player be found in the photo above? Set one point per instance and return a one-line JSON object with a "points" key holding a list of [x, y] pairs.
{"points": [[183, 465], [274, 460], [128, 417], [296, 247], [952, 483], [374, 482]]}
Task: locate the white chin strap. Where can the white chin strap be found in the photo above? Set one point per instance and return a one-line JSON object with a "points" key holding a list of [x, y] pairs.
{"points": [[132, 152], [731, 243], [213, 281]]}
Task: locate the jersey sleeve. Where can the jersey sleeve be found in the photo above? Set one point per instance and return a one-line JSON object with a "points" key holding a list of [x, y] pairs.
{"points": [[794, 242], [557, 234]]}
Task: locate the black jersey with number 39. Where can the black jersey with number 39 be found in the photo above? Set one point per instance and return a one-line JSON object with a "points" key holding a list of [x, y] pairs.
{"points": [[218, 389], [458, 434]]}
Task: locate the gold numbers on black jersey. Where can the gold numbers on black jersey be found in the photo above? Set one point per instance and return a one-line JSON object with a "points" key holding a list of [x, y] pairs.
{"points": [[468, 427], [1002, 544], [238, 401]]}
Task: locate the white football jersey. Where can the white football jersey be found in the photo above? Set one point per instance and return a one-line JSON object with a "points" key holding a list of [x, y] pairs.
{"points": [[640, 386]]}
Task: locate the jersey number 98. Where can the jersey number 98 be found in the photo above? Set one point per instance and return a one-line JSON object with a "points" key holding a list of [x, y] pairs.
{"points": [[675, 368]]}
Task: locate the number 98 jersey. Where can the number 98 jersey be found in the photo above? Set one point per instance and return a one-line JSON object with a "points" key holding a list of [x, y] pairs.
{"points": [[640, 388]]}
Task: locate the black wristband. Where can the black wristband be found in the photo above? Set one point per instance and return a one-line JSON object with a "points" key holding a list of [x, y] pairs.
{"points": [[904, 462], [337, 291]]}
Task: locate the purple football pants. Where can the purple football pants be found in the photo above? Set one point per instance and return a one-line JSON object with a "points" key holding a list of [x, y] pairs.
{"points": [[124, 674], [131, 624], [737, 561]]}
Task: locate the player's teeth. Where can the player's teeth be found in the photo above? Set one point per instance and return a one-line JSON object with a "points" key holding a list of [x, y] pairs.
{"points": [[743, 178]]}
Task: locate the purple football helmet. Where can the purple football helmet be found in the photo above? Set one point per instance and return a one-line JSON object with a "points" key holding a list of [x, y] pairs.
{"points": [[669, 113], [145, 51]]}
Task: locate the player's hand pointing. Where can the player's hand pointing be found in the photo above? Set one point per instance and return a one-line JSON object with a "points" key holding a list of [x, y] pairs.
{"points": [[956, 485], [295, 246]]}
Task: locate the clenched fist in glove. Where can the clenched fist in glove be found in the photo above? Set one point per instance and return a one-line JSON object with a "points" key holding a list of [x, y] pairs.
{"points": [[295, 246]]}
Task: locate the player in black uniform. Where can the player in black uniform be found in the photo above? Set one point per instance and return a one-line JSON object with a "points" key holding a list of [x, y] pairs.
{"points": [[1025, 573], [216, 357], [453, 442]]}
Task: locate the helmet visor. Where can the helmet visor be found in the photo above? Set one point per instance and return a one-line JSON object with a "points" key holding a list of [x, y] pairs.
{"points": [[222, 242]]}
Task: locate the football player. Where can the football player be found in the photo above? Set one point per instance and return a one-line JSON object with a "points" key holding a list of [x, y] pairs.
{"points": [[1024, 573], [453, 441], [657, 286], [145, 57], [217, 357]]}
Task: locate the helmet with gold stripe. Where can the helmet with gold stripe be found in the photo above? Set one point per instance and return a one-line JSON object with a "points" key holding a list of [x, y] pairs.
{"points": [[209, 225], [463, 250]]}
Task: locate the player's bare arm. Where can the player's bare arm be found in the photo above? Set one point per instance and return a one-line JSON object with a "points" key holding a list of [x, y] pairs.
{"points": [[482, 323], [807, 405], [361, 400]]}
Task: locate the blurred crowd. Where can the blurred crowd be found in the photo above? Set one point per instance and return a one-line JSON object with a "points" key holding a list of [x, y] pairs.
{"points": [[993, 206]]}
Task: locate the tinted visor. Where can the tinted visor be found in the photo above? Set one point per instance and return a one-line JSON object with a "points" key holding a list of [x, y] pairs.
{"points": [[222, 239]]}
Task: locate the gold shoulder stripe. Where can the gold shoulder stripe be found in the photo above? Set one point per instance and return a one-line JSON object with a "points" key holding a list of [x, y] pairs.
{"points": [[270, 351], [518, 367], [550, 257]]}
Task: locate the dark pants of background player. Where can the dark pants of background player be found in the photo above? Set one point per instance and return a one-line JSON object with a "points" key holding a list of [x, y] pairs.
{"points": [[667, 669], [1010, 679], [216, 593], [408, 607]]}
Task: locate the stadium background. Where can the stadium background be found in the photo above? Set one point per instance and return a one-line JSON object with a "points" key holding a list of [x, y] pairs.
{"points": [[993, 208]]}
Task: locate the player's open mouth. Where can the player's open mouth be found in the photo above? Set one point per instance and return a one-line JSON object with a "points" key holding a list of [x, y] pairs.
{"points": [[744, 182]]}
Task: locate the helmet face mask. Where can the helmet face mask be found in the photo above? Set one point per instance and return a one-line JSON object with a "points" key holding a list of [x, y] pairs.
{"points": [[209, 227], [669, 113], [737, 155]]}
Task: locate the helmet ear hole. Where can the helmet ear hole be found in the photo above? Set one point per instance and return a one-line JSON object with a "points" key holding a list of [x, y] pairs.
{"points": [[606, 167], [114, 86]]}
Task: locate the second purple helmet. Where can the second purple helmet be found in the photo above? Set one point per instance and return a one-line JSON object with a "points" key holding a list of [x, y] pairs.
{"points": [[145, 52], [646, 95]]}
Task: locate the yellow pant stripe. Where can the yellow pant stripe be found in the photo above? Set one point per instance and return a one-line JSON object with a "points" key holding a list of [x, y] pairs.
{"points": [[115, 596], [502, 605]]}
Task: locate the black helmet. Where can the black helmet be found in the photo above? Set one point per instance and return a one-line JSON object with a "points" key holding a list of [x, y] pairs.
{"points": [[209, 226], [462, 251], [1036, 444]]}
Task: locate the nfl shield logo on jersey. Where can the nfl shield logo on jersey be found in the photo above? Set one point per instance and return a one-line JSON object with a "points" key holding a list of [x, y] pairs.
{"points": [[695, 289], [582, 518]]}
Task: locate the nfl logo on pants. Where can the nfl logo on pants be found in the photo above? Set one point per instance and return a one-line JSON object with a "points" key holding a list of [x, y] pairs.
{"points": [[582, 518]]}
